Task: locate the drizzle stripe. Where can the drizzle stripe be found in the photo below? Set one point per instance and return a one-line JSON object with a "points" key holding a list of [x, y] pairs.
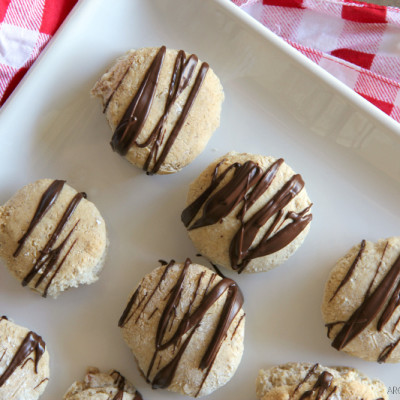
{"points": [[370, 307], [47, 200], [182, 118], [133, 120], [239, 250], [189, 322], [191, 211], [351, 270], [49, 256], [31, 343]]}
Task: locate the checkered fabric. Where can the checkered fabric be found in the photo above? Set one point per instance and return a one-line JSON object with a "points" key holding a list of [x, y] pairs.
{"points": [[358, 43], [26, 26]]}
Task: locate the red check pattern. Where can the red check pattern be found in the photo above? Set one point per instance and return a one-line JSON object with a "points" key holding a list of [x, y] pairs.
{"points": [[26, 26], [358, 43]]}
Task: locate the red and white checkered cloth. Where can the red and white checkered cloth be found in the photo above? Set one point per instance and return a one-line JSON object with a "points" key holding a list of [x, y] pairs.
{"points": [[358, 43], [26, 26]]}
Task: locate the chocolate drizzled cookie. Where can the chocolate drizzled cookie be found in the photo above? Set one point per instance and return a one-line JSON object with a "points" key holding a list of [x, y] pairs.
{"points": [[51, 237], [361, 301], [304, 381], [24, 362], [247, 212], [185, 326], [162, 105]]}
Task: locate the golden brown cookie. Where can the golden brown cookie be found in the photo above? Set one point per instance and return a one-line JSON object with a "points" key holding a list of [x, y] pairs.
{"points": [[162, 105], [247, 212], [51, 237], [295, 381], [361, 299], [185, 327], [102, 386]]}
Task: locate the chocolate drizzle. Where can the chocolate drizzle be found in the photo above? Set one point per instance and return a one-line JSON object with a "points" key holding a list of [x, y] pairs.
{"points": [[40, 383], [47, 200], [246, 185], [120, 381], [321, 386], [386, 298], [306, 378], [49, 255], [31, 343], [131, 124], [387, 351], [350, 271], [189, 323]]}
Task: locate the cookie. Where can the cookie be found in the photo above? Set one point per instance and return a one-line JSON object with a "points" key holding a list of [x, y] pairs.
{"points": [[24, 362], [185, 327], [360, 304], [297, 381], [162, 106], [247, 212], [102, 386], [51, 237]]}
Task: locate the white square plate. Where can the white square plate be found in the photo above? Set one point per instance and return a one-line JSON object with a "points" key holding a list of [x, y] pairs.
{"points": [[277, 103]]}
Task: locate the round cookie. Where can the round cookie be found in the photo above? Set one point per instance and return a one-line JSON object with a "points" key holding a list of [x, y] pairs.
{"points": [[185, 327], [51, 237], [297, 381], [162, 105], [24, 362], [360, 304], [247, 212], [102, 386]]}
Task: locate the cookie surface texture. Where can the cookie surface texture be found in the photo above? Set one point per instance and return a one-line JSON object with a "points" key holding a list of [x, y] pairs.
{"points": [[247, 212], [24, 362], [162, 106], [51, 237], [102, 386], [296, 381], [360, 304], [185, 327]]}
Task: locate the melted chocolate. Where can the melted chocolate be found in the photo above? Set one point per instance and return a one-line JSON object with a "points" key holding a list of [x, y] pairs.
{"points": [[306, 378], [131, 124], [133, 120], [246, 185], [387, 351], [370, 307], [31, 343], [322, 384], [120, 382], [350, 271], [182, 73], [47, 200], [49, 256], [367, 293], [182, 118], [124, 317], [41, 382], [189, 323], [191, 211]]}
